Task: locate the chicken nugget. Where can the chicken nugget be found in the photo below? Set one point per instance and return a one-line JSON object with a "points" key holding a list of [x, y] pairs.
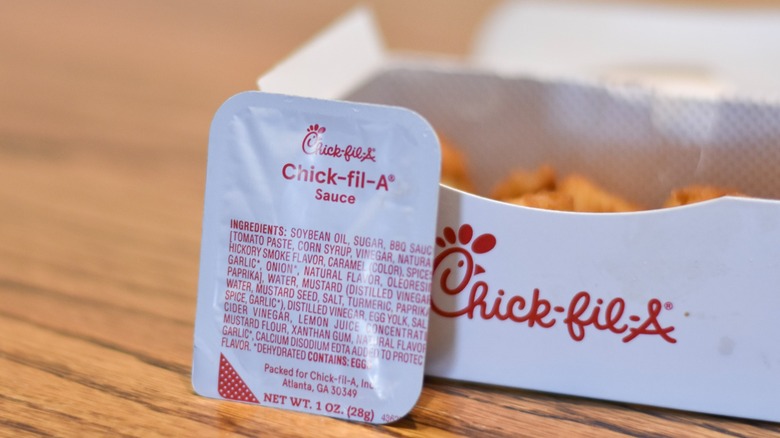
{"points": [[547, 200], [589, 197], [521, 182], [454, 171], [697, 193]]}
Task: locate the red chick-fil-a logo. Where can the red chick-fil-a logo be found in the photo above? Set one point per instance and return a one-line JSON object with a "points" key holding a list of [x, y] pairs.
{"points": [[312, 145], [454, 269]]}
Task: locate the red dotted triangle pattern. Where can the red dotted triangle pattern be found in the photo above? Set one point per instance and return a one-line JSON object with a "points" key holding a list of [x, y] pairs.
{"points": [[230, 385]]}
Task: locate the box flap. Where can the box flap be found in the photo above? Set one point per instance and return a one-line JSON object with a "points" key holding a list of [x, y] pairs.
{"points": [[333, 63], [700, 51]]}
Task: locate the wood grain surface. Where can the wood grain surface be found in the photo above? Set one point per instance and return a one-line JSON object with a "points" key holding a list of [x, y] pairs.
{"points": [[104, 116]]}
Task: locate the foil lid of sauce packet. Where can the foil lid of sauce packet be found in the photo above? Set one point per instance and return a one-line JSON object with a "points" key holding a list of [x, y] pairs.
{"points": [[316, 256]]}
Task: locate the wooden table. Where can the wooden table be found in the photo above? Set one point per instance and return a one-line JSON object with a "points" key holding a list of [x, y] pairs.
{"points": [[104, 116]]}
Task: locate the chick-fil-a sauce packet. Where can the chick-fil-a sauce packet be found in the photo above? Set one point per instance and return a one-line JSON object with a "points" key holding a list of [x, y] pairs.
{"points": [[315, 272]]}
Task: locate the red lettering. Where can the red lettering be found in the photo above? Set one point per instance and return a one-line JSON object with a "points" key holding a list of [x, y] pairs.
{"points": [[285, 171], [513, 309], [580, 303], [455, 268], [653, 310], [382, 183], [312, 144], [580, 314]]}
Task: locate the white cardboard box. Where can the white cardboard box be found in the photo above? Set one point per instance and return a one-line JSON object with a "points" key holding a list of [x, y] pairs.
{"points": [[674, 308]]}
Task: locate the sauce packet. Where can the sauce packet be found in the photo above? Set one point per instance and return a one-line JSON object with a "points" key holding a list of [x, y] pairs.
{"points": [[316, 256]]}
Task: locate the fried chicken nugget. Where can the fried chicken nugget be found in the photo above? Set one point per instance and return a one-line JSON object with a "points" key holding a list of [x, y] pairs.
{"points": [[522, 182], [697, 193], [589, 197], [454, 171], [547, 200]]}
